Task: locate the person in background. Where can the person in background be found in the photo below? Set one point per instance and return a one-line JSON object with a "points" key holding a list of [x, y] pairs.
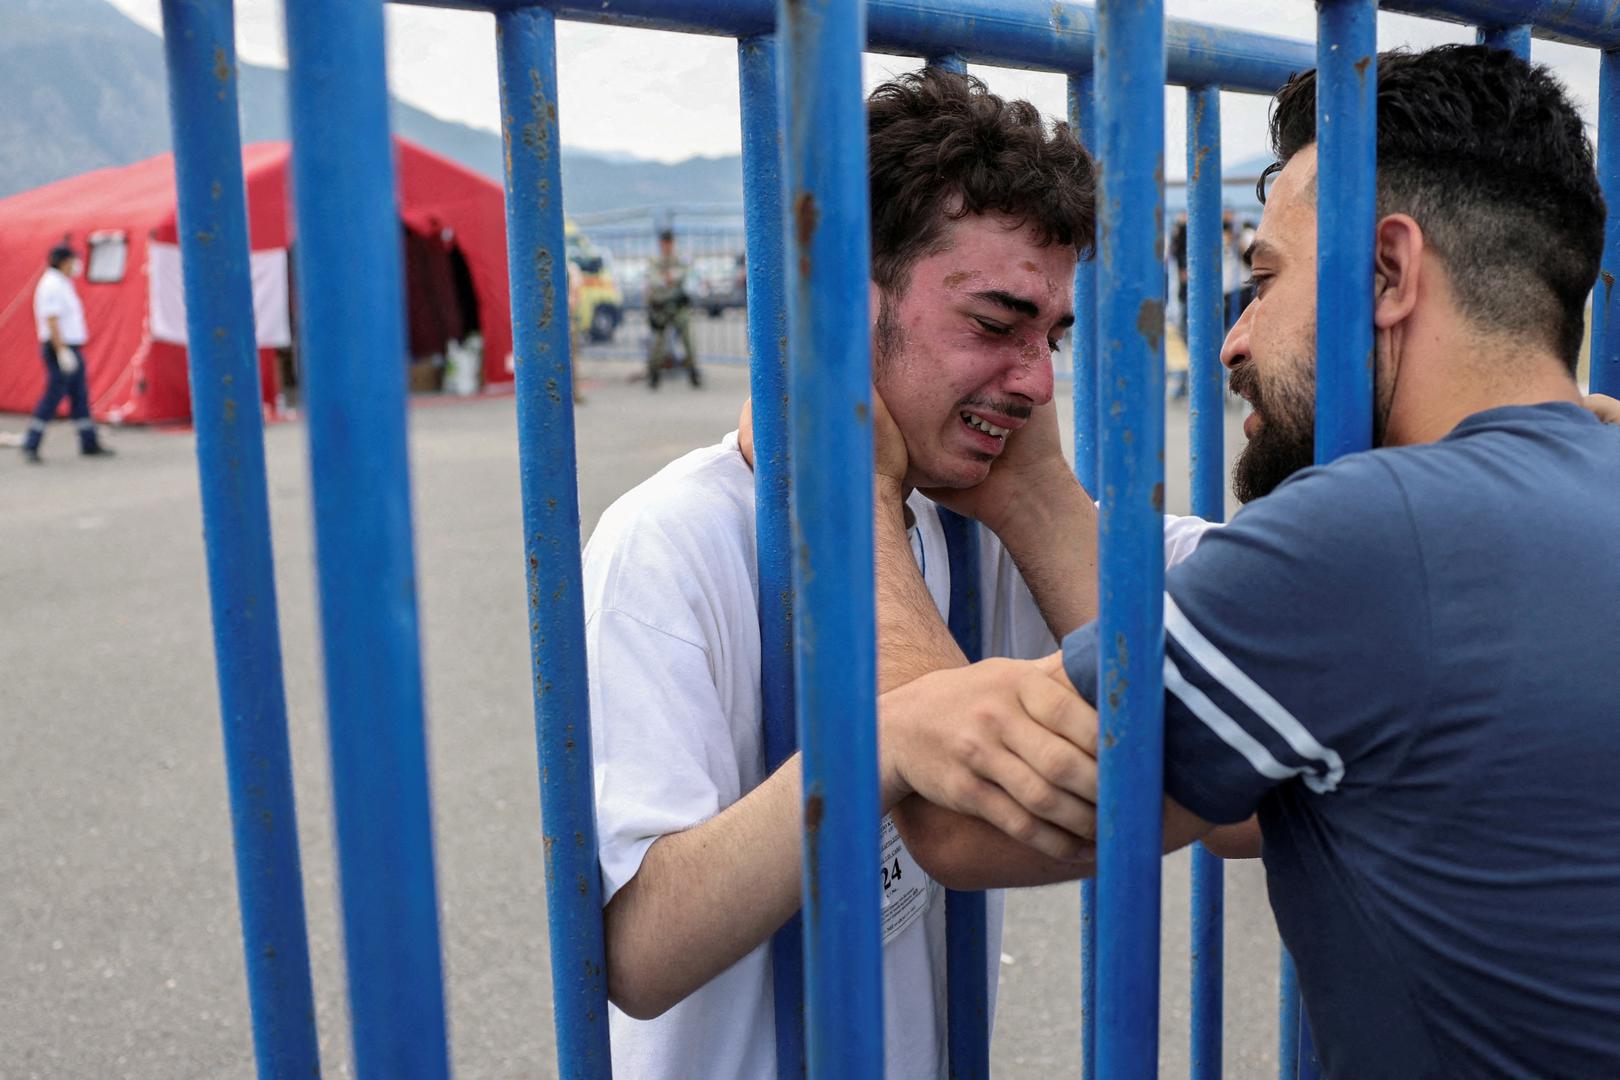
{"points": [[669, 306], [1176, 374], [1231, 269], [59, 319], [576, 339]]}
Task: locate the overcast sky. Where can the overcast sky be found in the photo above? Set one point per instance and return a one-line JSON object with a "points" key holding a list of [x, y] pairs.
{"points": [[673, 96]]}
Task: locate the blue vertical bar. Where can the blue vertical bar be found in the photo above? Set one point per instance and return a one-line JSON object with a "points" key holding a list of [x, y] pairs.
{"points": [[829, 346], [967, 979], [1347, 132], [1514, 39], [967, 971], [1083, 357], [1130, 314], [768, 383], [1208, 960], [353, 332], [1206, 328], [1310, 1068], [1088, 979], [1346, 128], [535, 246], [1605, 323], [1207, 418], [1083, 338], [200, 48], [1287, 1018]]}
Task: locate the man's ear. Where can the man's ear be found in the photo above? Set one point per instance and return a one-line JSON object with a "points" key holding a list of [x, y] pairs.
{"points": [[1397, 264]]}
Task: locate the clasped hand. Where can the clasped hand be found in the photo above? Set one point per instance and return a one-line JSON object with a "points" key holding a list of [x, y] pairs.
{"points": [[1006, 741]]}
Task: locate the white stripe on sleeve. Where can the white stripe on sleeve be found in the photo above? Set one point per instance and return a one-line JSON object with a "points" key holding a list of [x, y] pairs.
{"points": [[1230, 732], [1252, 695]]}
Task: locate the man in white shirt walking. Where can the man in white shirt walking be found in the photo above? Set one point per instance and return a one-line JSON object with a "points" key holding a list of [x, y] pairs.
{"points": [[59, 319]]}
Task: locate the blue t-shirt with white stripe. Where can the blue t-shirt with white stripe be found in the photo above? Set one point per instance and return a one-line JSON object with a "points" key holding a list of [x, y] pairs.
{"points": [[1408, 663]]}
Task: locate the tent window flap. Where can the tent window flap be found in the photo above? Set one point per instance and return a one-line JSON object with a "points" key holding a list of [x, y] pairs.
{"points": [[109, 255]]}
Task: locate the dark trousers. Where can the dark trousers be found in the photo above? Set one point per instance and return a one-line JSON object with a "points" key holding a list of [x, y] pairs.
{"points": [[59, 385]]}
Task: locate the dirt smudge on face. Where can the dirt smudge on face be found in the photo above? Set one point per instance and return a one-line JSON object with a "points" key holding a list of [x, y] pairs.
{"points": [[952, 280]]}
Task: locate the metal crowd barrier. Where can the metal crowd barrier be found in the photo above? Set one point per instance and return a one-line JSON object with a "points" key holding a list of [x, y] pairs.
{"points": [[804, 158]]}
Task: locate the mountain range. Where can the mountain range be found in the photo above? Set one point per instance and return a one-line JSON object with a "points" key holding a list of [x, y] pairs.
{"points": [[86, 89]]}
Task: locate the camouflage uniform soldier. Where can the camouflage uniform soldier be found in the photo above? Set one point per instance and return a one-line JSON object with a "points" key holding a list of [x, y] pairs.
{"points": [[668, 305]]}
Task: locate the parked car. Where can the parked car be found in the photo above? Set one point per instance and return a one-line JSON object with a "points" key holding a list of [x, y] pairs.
{"points": [[722, 282], [631, 274], [594, 299]]}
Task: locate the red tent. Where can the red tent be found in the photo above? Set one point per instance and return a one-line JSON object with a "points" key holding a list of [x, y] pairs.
{"points": [[452, 219]]}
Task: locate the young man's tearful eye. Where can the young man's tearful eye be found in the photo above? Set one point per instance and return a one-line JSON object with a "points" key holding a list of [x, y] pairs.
{"points": [[999, 330]]}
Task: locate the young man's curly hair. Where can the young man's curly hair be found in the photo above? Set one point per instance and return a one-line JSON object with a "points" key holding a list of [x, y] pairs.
{"points": [[1488, 155], [941, 147]]}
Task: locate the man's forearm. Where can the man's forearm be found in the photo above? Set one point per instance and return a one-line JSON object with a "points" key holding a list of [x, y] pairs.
{"points": [[912, 638], [966, 853], [1240, 841], [705, 897], [1052, 539]]}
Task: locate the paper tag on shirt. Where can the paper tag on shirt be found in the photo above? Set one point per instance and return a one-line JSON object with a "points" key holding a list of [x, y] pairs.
{"points": [[907, 891]]}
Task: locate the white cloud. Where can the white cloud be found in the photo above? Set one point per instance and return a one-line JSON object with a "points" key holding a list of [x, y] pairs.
{"points": [[671, 96]]}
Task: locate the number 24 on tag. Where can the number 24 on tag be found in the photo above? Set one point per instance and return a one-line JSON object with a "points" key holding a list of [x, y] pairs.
{"points": [[891, 875]]}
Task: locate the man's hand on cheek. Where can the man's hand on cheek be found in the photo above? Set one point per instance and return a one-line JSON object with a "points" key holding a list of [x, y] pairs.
{"points": [[890, 460], [1004, 741], [1028, 465]]}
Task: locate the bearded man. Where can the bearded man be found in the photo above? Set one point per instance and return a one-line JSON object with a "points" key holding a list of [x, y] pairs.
{"points": [[1404, 661]]}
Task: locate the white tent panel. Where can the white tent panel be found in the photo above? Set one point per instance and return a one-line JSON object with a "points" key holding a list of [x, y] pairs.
{"points": [[166, 288]]}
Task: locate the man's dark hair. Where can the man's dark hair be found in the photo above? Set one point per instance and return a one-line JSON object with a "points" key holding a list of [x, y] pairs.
{"points": [[942, 147], [1488, 156], [60, 254]]}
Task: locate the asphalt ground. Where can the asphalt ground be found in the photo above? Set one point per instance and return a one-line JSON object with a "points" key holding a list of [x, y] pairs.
{"points": [[119, 937]]}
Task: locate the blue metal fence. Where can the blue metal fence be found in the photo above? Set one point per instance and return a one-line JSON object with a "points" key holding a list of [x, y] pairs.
{"points": [[1130, 72], [535, 246], [343, 198], [830, 377], [805, 185], [757, 73], [1206, 421], [199, 40]]}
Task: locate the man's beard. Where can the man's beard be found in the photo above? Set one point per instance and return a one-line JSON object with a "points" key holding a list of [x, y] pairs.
{"points": [[1286, 441]]}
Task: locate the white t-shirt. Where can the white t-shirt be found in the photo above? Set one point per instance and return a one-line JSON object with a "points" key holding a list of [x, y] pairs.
{"points": [[55, 295], [672, 636]]}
